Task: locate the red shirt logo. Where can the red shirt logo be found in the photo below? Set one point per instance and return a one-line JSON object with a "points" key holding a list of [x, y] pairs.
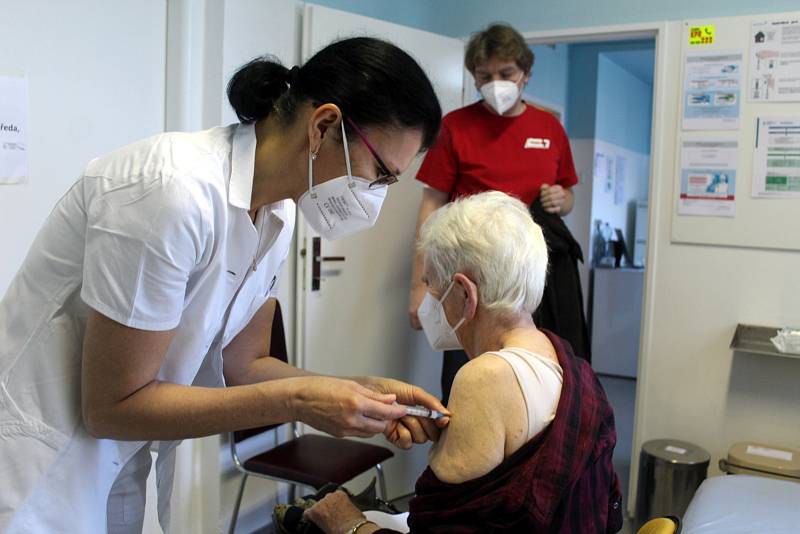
{"points": [[537, 142]]}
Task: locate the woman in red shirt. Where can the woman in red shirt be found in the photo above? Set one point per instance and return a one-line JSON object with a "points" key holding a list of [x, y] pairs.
{"points": [[499, 143]]}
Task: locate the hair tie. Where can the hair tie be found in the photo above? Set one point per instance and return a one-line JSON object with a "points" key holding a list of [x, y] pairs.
{"points": [[292, 75]]}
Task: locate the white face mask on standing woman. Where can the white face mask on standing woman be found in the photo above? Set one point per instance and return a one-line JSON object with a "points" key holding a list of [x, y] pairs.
{"points": [[431, 315], [501, 95], [343, 206]]}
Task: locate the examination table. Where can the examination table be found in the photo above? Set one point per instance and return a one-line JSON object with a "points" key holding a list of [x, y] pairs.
{"points": [[744, 504]]}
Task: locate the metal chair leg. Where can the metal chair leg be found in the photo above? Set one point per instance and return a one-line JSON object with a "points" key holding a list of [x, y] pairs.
{"points": [[381, 481], [235, 517]]}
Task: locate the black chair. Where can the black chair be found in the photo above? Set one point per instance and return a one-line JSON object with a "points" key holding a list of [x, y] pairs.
{"points": [[309, 460]]}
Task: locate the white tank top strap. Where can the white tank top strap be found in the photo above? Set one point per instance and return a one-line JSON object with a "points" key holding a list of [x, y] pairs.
{"points": [[540, 380]]}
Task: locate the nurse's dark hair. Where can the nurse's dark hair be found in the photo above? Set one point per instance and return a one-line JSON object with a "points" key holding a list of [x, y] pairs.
{"points": [[499, 41], [372, 81]]}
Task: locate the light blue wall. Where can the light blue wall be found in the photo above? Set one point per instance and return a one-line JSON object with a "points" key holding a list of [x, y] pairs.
{"points": [[422, 14], [624, 107], [583, 78], [548, 81], [461, 17]]}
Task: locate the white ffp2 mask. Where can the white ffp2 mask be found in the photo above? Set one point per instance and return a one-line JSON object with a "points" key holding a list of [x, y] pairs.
{"points": [[342, 206], [431, 315], [501, 95]]}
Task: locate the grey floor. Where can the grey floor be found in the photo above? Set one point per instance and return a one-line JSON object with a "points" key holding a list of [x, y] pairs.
{"points": [[621, 394]]}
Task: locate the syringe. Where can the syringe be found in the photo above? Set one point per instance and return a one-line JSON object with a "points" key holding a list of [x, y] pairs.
{"points": [[422, 411]]}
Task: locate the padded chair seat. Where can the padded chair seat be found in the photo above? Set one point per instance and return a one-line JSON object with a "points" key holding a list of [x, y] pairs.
{"points": [[316, 460]]}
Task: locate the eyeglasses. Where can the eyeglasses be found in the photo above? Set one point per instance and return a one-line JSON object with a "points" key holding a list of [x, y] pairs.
{"points": [[387, 177], [510, 74]]}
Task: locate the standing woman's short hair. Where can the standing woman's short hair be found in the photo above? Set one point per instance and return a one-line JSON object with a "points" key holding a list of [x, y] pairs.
{"points": [[372, 81], [499, 41]]}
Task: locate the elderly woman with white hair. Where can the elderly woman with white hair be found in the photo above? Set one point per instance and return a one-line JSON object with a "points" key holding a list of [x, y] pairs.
{"points": [[531, 434]]}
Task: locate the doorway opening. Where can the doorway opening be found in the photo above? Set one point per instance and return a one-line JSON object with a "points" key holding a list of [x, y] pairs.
{"points": [[601, 88]]}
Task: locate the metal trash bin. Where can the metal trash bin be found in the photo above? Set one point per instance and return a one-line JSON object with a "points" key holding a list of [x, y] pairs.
{"points": [[670, 471]]}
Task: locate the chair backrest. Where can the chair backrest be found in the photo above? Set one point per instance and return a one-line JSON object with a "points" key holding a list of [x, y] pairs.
{"points": [[661, 525], [277, 338], [277, 349]]}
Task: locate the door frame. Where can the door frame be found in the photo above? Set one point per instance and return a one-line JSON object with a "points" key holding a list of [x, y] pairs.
{"points": [[656, 217]]}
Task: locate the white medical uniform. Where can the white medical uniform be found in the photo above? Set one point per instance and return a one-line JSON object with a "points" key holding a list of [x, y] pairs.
{"points": [[156, 236]]}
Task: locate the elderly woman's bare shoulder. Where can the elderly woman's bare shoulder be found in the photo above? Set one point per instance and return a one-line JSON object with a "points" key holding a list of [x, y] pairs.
{"points": [[485, 402], [485, 369]]}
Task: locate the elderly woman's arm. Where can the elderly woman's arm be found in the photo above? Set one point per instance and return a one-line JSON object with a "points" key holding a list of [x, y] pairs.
{"points": [[336, 514], [489, 419]]}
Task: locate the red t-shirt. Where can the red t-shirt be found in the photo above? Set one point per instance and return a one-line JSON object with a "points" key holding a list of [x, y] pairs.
{"points": [[479, 151]]}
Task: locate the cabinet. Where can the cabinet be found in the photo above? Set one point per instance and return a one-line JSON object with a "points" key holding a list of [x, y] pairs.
{"points": [[616, 320]]}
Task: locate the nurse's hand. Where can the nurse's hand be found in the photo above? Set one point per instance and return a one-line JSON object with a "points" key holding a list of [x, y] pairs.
{"points": [[407, 430], [342, 407]]}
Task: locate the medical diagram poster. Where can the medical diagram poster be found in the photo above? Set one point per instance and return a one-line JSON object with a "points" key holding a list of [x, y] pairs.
{"points": [[775, 61], [776, 162], [711, 90], [13, 129], [708, 177]]}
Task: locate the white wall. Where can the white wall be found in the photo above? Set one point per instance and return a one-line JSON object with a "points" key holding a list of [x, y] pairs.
{"points": [[96, 74], [691, 386]]}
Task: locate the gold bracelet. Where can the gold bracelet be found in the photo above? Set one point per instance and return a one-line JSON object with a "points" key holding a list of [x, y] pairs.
{"points": [[358, 525]]}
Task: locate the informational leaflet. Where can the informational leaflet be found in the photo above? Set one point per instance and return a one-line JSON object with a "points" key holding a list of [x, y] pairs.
{"points": [[604, 170], [620, 174], [13, 129], [775, 61], [776, 162], [708, 177], [711, 90]]}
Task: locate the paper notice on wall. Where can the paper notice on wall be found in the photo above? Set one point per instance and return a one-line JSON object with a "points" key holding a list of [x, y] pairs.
{"points": [[13, 129], [620, 174], [708, 177], [604, 171], [712, 90], [776, 162], [701, 35], [775, 61]]}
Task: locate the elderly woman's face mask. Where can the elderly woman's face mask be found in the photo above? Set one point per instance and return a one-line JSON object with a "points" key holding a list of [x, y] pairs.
{"points": [[431, 315]]}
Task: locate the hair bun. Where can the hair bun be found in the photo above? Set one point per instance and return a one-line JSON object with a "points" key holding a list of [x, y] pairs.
{"points": [[255, 87], [292, 75]]}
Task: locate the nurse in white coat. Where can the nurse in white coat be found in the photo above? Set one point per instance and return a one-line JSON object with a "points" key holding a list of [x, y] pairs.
{"points": [[148, 287]]}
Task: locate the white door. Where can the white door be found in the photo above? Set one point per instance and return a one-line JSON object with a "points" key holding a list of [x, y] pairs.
{"points": [[356, 322]]}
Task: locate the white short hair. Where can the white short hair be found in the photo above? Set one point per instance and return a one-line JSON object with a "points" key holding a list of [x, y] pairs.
{"points": [[492, 238]]}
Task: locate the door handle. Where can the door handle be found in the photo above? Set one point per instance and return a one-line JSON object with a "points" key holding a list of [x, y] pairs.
{"points": [[316, 262]]}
